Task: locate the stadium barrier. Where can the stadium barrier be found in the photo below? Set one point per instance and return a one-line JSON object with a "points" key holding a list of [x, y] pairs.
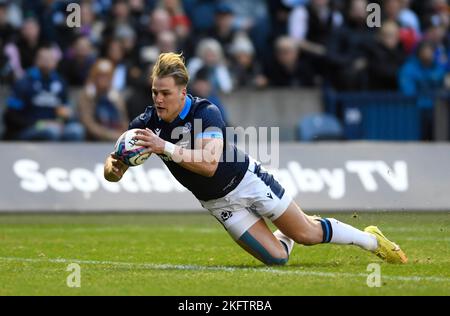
{"points": [[272, 107], [353, 177], [390, 116]]}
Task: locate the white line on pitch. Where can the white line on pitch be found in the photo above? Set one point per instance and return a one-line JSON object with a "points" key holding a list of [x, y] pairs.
{"points": [[154, 266]]}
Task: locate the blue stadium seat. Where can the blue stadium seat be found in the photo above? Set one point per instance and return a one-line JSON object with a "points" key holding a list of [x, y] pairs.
{"points": [[318, 127]]}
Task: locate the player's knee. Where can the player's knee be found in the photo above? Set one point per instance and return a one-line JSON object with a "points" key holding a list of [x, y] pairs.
{"points": [[279, 259], [276, 261], [270, 254]]}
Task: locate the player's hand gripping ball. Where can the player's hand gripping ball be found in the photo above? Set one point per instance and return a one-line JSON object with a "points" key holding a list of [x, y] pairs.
{"points": [[128, 152]]}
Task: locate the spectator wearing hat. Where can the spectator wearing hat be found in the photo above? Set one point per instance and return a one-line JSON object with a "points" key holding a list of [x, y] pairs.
{"points": [[245, 69], [102, 110]]}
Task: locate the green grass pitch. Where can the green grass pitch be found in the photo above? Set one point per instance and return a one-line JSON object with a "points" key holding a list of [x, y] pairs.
{"points": [[191, 254]]}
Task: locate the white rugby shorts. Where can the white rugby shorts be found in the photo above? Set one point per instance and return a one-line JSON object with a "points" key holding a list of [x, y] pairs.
{"points": [[257, 195]]}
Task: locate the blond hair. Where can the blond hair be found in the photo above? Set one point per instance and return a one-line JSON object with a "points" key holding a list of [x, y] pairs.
{"points": [[171, 65]]}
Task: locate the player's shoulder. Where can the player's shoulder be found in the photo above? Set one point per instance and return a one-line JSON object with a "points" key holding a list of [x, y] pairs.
{"points": [[203, 108], [143, 119]]}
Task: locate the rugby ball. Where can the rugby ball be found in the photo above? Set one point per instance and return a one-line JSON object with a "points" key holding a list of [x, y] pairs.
{"points": [[128, 152]]}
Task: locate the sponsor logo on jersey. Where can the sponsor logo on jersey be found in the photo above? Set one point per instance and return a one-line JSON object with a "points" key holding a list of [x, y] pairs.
{"points": [[187, 128]]}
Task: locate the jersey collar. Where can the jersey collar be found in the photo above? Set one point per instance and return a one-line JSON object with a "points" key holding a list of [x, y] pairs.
{"points": [[186, 108]]}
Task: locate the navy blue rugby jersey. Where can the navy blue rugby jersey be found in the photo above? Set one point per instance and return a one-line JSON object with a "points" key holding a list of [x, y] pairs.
{"points": [[233, 163]]}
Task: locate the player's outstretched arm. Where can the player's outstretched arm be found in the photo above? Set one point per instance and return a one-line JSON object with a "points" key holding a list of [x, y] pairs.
{"points": [[203, 160], [114, 169]]}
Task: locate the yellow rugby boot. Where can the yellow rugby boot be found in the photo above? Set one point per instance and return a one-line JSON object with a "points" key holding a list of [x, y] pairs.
{"points": [[387, 250]]}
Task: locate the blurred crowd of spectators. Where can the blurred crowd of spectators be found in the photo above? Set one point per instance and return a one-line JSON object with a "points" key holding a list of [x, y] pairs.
{"points": [[228, 45]]}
